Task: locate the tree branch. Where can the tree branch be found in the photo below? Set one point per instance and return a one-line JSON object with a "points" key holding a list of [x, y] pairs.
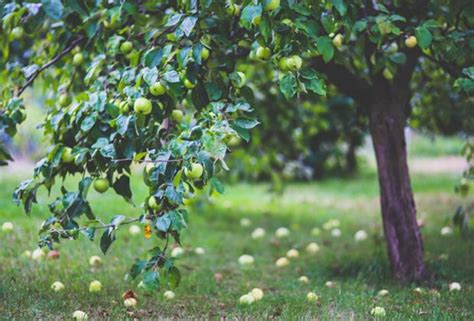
{"points": [[347, 82], [48, 64]]}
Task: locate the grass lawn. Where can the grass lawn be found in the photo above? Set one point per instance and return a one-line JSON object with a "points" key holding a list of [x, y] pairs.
{"points": [[359, 269]]}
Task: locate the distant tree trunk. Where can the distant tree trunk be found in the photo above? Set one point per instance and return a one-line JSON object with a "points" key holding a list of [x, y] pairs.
{"points": [[403, 237], [351, 157]]}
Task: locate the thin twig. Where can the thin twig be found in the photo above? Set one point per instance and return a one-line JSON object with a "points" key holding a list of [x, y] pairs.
{"points": [[95, 227], [48, 64], [177, 160]]}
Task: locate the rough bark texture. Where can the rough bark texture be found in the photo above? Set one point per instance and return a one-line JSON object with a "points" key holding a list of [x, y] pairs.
{"points": [[403, 237]]}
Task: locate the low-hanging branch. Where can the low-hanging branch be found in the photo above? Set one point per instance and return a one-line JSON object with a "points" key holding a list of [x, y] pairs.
{"points": [[48, 64]]}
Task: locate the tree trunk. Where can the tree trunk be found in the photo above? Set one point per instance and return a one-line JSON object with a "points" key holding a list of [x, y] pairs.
{"points": [[351, 157], [403, 237]]}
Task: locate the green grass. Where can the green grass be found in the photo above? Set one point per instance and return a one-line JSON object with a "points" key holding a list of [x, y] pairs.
{"points": [[422, 145], [360, 270]]}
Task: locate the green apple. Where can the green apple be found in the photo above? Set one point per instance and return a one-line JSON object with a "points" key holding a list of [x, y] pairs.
{"points": [[337, 40], [205, 53], [283, 64], [272, 5], [393, 48], [17, 33], [146, 173], [177, 115], [241, 83], [67, 156], [57, 286], [154, 204], [78, 59], [79, 315], [233, 9], [64, 100], [411, 42], [188, 84], [7, 227], [126, 47], [122, 105], [95, 286], [101, 185], [195, 172], [294, 62], [263, 53], [142, 106], [158, 89], [387, 74], [256, 20]]}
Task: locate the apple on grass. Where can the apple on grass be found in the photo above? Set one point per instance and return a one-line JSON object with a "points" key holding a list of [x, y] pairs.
{"points": [[312, 297], [130, 303], [79, 315], [169, 295], [257, 294], [95, 261], [7, 227], [57, 286], [95, 286]]}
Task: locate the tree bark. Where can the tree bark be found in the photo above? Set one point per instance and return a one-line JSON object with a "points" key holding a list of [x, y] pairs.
{"points": [[404, 242]]}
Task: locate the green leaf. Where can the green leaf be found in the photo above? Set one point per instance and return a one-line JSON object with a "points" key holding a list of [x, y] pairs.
{"points": [[108, 237], [248, 14], [122, 187], [217, 185], [328, 22], [137, 268], [288, 85], [53, 8], [424, 37], [340, 6], [317, 86], [398, 57], [174, 277], [246, 123], [151, 280], [325, 47]]}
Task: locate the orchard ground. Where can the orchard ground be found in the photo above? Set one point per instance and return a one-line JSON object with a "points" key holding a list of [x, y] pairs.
{"points": [[212, 283]]}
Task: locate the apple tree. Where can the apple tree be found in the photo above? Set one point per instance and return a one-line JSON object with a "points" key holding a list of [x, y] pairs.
{"points": [[156, 82]]}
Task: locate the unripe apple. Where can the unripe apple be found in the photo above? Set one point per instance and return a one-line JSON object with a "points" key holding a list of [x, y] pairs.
{"points": [[57, 286], [263, 53], [243, 80], [158, 89], [233, 9], [78, 59], [312, 297], [246, 299], [411, 42], [95, 261], [177, 115], [95, 286], [195, 172], [283, 64], [272, 5], [64, 100], [17, 33], [293, 253], [79, 315], [130, 302], [256, 20], [205, 53], [257, 294], [387, 74], [126, 47], [53, 255], [134, 229], [188, 84], [294, 62], [38, 255], [177, 252], [101, 185], [282, 262], [122, 105], [303, 279], [142, 106], [169, 295], [67, 156], [153, 203], [7, 227], [337, 41]]}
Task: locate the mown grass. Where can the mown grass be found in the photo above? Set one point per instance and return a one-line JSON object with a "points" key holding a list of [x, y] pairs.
{"points": [[360, 270]]}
